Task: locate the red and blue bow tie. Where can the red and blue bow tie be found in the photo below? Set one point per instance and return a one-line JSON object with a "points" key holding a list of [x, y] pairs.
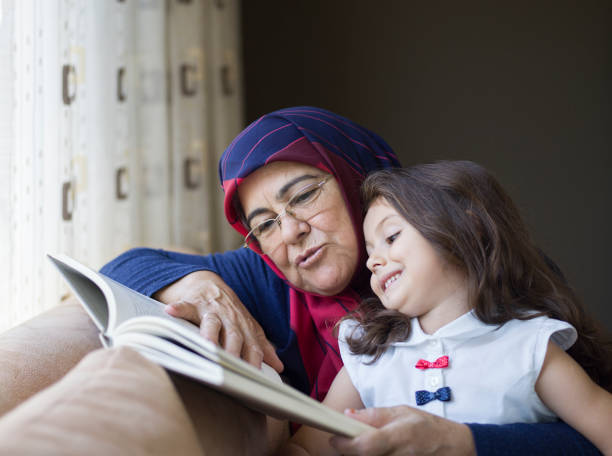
{"points": [[440, 363], [423, 396]]}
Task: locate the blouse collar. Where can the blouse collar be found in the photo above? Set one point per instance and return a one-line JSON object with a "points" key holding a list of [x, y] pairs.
{"points": [[464, 327]]}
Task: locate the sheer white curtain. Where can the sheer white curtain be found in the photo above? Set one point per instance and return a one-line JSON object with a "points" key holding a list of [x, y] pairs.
{"points": [[112, 117]]}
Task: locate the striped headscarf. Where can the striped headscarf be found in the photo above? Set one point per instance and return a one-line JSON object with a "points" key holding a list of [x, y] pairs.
{"points": [[348, 152]]}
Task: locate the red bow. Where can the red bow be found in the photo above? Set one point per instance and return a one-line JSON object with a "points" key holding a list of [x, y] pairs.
{"points": [[440, 363]]}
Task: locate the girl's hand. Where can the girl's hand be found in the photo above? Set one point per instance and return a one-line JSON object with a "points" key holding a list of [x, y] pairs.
{"points": [[204, 299], [404, 430]]}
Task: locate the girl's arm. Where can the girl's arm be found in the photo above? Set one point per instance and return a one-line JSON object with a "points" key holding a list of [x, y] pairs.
{"points": [[342, 395], [568, 391]]}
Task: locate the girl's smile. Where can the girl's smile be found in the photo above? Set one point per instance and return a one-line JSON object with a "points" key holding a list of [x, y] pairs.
{"points": [[387, 281]]}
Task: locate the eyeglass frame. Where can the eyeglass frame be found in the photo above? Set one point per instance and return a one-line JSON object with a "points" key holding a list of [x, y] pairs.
{"points": [[277, 219]]}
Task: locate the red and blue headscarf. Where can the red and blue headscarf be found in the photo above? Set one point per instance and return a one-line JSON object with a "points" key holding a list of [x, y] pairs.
{"points": [[348, 152]]}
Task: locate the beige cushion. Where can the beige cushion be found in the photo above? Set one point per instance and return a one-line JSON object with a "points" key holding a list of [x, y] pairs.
{"points": [[39, 352], [114, 402]]}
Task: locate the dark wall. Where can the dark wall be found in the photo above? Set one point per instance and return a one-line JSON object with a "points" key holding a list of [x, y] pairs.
{"points": [[524, 89]]}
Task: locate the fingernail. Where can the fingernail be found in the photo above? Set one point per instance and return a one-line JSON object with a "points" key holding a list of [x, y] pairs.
{"points": [[349, 411]]}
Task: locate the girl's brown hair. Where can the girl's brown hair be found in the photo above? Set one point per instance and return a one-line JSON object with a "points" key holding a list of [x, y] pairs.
{"points": [[461, 209]]}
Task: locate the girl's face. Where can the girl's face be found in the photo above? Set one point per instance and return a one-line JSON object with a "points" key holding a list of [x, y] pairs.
{"points": [[318, 250], [408, 275]]}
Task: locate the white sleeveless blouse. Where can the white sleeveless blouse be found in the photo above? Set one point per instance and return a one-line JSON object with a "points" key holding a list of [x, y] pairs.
{"points": [[491, 371]]}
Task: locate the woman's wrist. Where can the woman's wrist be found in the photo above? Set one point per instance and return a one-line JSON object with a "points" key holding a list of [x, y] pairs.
{"points": [[174, 291], [459, 439]]}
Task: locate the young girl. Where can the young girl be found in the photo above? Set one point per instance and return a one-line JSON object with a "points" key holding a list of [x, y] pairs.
{"points": [[470, 320]]}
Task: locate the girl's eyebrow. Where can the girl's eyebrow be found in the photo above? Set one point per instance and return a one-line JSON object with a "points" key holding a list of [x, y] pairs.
{"points": [[378, 228], [382, 222]]}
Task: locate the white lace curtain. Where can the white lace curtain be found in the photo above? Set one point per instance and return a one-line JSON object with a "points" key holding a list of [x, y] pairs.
{"points": [[113, 114]]}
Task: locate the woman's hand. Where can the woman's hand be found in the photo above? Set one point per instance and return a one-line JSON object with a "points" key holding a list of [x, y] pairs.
{"points": [[404, 430], [204, 299]]}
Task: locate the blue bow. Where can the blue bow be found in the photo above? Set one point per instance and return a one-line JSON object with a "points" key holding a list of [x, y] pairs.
{"points": [[423, 397]]}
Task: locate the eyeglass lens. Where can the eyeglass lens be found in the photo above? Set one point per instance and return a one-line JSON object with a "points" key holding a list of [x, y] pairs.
{"points": [[300, 206]]}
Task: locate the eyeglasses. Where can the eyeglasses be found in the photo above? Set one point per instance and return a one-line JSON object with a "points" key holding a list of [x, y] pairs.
{"points": [[302, 206]]}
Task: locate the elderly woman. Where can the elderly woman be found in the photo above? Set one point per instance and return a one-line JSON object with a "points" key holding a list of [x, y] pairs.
{"points": [[291, 182]]}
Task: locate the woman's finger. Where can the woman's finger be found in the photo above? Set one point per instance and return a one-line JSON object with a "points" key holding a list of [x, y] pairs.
{"points": [[210, 327], [232, 339], [367, 444], [257, 347], [183, 310], [252, 354], [268, 353]]}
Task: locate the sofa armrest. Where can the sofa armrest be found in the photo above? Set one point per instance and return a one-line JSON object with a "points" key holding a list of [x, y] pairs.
{"points": [[42, 350], [113, 402]]}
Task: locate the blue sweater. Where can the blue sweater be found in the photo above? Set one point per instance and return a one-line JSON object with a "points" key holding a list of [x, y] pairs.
{"points": [[267, 298]]}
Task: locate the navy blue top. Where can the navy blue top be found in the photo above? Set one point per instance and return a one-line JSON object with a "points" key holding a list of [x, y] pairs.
{"points": [[267, 298]]}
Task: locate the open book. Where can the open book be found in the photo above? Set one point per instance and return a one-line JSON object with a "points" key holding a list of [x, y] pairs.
{"points": [[125, 317]]}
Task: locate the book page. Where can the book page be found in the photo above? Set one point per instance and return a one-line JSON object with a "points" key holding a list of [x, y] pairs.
{"points": [[89, 293], [108, 302], [131, 304]]}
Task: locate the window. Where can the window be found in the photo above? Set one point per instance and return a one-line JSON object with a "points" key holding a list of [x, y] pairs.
{"points": [[112, 117]]}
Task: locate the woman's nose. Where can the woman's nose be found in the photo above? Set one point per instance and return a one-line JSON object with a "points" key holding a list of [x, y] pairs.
{"points": [[292, 229]]}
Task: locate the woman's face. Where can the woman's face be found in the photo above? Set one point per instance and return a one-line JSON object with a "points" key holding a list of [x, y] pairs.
{"points": [[318, 254]]}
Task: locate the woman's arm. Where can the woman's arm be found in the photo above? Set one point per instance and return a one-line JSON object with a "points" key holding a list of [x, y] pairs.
{"points": [[149, 270], [238, 280], [404, 430], [535, 438], [567, 390]]}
